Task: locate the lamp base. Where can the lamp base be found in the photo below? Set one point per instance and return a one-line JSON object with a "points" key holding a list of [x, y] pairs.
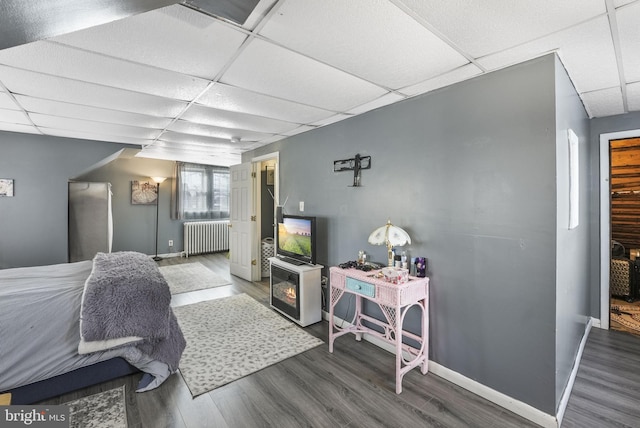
{"points": [[157, 258]]}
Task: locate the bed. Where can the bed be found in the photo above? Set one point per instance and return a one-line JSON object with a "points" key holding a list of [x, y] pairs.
{"points": [[66, 326]]}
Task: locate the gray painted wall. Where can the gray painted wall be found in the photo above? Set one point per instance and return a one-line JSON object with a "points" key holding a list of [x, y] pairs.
{"points": [[572, 254], [470, 172], [134, 226], [604, 125], [33, 224]]}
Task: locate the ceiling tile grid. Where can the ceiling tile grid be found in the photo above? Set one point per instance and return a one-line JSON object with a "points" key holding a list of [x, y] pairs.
{"points": [[181, 84]]}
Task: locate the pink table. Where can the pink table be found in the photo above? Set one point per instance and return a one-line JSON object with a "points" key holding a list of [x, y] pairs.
{"points": [[394, 301]]}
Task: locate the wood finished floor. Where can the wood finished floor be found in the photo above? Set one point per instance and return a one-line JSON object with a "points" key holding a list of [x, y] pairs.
{"points": [[354, 386]]}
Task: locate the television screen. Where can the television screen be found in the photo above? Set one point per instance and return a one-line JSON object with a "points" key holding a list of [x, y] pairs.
{"points": [[296, 238]]}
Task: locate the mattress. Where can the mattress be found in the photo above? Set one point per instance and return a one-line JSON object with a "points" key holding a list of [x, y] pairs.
{"points": [[39, 323]]}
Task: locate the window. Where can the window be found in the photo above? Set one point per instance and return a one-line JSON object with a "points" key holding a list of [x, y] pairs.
{"points": [[203, 191]]}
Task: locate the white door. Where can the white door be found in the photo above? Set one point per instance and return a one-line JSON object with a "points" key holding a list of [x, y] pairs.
{"points": [[242, 221]]}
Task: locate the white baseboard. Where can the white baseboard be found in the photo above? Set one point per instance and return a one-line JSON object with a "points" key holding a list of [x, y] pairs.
{"points": [[564, 400], [518, 407]]}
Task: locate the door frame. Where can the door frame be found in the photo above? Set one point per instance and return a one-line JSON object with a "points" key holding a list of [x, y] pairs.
{"points": [[605, 219], [274, 156]]}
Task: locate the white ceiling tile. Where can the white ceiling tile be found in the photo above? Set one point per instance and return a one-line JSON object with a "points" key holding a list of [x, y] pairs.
{"points": [[7, 102], [179, 137], [620, 3], [67, 133], [372, 39], [174, 38], [72, 63], [57, 108], [298, 130], [628, 23], [225, 97], [230, 119], [454, 76], [215, 131], [271, 139], [60, 89], [605, 102], [14, 127], [14, 116], [268, 69], [484, 27], [384, 100], [173, 154], [58, 122], [586, 51], [332, 119], [633, 96]]}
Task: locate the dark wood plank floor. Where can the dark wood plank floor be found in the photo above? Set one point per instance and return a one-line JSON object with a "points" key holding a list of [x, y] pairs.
{"points": [[354, 386]]}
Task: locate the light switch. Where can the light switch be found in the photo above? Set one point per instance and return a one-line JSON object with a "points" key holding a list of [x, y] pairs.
{"points": [[301, 206]]}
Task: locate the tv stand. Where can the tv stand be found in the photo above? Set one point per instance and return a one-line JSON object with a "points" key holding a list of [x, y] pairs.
{"points": [[295, 291], [291, 261]]}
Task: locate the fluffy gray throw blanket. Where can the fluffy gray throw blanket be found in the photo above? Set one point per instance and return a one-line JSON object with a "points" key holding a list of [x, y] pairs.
{"points": [[126, 302]]}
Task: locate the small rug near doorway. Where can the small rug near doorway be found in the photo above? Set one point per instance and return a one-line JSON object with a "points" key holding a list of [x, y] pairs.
{"points": [[187, 277], [627, 316], [232, 337], [103, 410]]}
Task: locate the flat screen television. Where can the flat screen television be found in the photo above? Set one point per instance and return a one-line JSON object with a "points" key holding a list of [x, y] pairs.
{"points": [[296, 239]]}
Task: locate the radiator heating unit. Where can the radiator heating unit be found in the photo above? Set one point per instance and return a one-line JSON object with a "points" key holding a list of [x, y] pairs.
{"points": [[202, 237]]}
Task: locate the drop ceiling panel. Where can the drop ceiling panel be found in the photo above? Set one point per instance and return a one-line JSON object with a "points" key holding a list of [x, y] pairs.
{"points": [[454, 76], [633, 96], [72, 91], [225, 97], [372, 39], [215, 131], [14, 116], [230, 119], [173, 154], [268, 69], [76, 111], [60, 123], [173, 38], [6, 102], [13, 127], [628, 23], [484, 27], [26, 21], [384, 100], [605, 102], [177, 137], [67, 133], [619, 3], [586, 51], [64, 61]]}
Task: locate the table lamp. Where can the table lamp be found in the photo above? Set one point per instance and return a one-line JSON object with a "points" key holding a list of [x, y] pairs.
{"points": [[390, 236]]}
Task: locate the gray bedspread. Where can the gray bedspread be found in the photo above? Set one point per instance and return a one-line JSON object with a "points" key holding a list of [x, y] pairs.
{"points": [[127, 298], [40, 329], [39, 323]]}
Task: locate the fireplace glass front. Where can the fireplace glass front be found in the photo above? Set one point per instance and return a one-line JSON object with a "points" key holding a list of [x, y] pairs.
{"points": [[285, 291]]}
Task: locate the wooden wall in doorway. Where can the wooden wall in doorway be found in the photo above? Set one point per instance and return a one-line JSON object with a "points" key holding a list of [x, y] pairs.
{"points": [[625, 192]]}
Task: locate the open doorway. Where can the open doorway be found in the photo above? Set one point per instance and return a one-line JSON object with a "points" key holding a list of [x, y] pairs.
{"points": [[624, 157], [606, 188], [266, 168]]}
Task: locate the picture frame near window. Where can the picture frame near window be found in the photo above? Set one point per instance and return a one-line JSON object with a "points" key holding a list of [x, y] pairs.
{"points": [[143, 193], [271, 175], [6, 187]]}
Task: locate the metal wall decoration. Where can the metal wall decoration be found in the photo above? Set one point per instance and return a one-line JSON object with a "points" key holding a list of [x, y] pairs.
{"points": [[355, 164]]}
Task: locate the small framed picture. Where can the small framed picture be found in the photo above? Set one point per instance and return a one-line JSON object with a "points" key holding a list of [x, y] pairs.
{"points": [[271, 175], [6, 187], [143, 193]]}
